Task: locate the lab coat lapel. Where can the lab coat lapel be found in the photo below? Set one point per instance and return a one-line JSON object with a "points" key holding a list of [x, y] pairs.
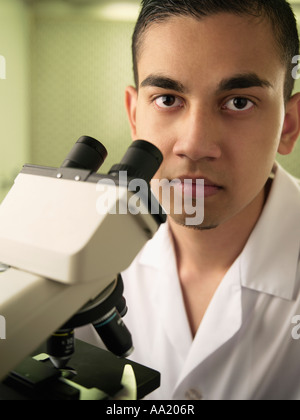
{"points": [[275, 251], [219, 323]]}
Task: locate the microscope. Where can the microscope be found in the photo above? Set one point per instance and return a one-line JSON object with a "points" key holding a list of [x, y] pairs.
{"points": [[66, 234]]}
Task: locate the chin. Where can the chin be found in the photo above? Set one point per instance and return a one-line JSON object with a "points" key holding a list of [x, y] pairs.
{"points": [[203, 226]]}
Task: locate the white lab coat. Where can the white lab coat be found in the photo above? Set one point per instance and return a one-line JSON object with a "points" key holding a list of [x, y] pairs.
{"points": [[247, 346]]}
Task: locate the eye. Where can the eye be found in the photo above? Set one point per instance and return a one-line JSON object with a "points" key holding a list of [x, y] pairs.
{"points": [[239, 104], [168, 101]]}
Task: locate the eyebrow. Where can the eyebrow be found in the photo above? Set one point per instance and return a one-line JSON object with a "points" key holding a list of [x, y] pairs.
{"points": [[243, 81], [238, 81], [164, 83]]}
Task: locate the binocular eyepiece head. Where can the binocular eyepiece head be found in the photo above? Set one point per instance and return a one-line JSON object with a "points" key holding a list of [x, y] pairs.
{"points": [[141, 160]]}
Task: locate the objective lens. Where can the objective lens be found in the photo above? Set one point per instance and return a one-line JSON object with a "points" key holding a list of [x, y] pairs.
{"points": [[122, 307], [60, 347], [114, 334]]}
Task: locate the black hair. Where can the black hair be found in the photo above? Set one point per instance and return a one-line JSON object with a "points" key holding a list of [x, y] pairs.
{"points": [[279, 13]]}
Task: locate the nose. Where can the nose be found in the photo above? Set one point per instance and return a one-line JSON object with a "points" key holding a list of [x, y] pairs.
{"points": [[198, 137]]}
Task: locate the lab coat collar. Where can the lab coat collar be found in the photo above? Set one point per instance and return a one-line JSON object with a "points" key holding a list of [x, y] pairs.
{"points": [[269, 260]]}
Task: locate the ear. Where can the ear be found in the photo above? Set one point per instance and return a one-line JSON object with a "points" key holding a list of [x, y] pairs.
{"points": [[131, 97], [291, 126]]}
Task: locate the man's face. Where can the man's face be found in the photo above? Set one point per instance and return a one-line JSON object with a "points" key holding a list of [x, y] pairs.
{"points": [[210, 97]]}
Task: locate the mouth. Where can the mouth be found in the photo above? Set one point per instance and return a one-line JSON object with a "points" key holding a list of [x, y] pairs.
{"points": [[195, 186]]}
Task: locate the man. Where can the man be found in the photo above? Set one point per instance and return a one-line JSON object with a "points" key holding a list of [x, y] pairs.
{"points": [[212, 306]]}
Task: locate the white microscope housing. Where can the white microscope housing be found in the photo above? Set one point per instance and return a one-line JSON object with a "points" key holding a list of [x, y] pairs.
{"points": [[57, 250]]}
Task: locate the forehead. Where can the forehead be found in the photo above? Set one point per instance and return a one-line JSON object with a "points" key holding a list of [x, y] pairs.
{"points": [[213, 46]]}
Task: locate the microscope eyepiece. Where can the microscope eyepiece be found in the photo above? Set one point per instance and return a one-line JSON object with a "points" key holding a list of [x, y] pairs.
{"points": [[141, 160], [87, 153]]}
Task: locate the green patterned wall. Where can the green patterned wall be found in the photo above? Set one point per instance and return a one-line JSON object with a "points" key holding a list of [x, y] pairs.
{"points": [[14, 90], [80, 69]]}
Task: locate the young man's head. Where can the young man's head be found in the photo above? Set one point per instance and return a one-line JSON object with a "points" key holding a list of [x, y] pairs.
{"points": [[277, 12], [213, 94]]}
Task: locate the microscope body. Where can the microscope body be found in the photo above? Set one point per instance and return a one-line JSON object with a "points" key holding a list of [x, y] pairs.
{"points": [[60, 252]]}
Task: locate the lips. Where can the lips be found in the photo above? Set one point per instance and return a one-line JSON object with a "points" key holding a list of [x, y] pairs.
{"points": [[194, 186]]}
